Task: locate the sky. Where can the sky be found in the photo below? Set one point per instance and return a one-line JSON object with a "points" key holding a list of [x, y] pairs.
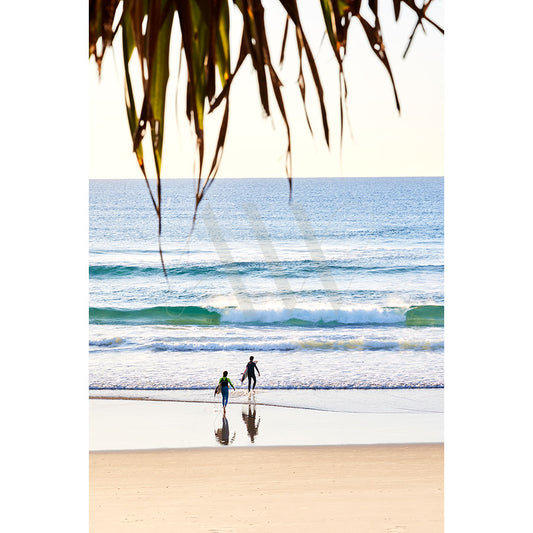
{"points": [[378, 141]]}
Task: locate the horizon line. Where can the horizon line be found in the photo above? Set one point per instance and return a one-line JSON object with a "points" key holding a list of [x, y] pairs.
{"points": [[274, 177]]}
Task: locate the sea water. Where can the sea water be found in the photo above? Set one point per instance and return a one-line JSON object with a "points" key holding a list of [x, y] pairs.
{"points": [[339, 288]]}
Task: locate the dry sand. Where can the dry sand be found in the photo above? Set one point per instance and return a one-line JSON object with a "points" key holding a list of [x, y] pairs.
{"points": [[380, 488]]}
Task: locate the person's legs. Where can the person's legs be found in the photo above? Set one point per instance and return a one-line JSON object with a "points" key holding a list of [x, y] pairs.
{"points": [[225, 395], [249, 382], [254, 378]]}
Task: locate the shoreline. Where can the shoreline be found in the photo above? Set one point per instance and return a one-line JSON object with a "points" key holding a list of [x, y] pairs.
{"points": [[401, 400]]}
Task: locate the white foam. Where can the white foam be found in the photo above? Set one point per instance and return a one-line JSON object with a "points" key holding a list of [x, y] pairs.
{"points": [[224, 347], [107, 342], [297, 344], [370, 315]]}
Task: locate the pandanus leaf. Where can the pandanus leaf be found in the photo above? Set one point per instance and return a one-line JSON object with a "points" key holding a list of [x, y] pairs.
{"points": [[373, 34], [222, 43], [159, 71], [101, 17], [128, 46]]}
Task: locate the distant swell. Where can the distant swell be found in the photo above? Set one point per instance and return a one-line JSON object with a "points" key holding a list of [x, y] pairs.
{"points": [[427, 315], [274, 268]]}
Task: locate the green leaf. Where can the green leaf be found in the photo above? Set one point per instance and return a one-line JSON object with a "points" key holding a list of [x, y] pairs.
{"points": [[159, 72]]}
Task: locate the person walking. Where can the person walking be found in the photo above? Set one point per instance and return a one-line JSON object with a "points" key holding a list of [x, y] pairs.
{"points": [[223, 387], [251, 367]]}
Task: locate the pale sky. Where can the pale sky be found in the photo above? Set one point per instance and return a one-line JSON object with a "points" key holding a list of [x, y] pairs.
{"points": [[381, 142]]}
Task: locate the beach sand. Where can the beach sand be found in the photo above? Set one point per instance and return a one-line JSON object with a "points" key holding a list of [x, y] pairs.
{"points": [[378, 488]]}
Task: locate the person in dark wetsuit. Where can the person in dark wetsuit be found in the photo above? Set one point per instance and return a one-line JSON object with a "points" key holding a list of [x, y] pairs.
{"points": [[224, 383], [251, 367]]}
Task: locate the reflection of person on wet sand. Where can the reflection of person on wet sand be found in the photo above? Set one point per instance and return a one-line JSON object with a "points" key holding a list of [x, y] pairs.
{"points": [[222, 434], [249, 420]]}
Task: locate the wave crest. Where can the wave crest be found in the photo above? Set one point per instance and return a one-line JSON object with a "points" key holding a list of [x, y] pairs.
{"points": [[427, 315]]}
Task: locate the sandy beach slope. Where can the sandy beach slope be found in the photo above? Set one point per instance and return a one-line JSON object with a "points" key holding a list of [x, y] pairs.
{"points": [[378, 488]]}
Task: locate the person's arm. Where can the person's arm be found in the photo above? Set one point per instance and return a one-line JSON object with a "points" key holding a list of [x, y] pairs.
{"points": [[229, 380], [258, 373]]}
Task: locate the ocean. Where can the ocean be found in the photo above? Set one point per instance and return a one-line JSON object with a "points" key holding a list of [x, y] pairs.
{"points": [[340, 288]]}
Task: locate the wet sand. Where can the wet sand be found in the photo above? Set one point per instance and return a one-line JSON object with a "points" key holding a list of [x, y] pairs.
{"points": [[389, 418]]}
